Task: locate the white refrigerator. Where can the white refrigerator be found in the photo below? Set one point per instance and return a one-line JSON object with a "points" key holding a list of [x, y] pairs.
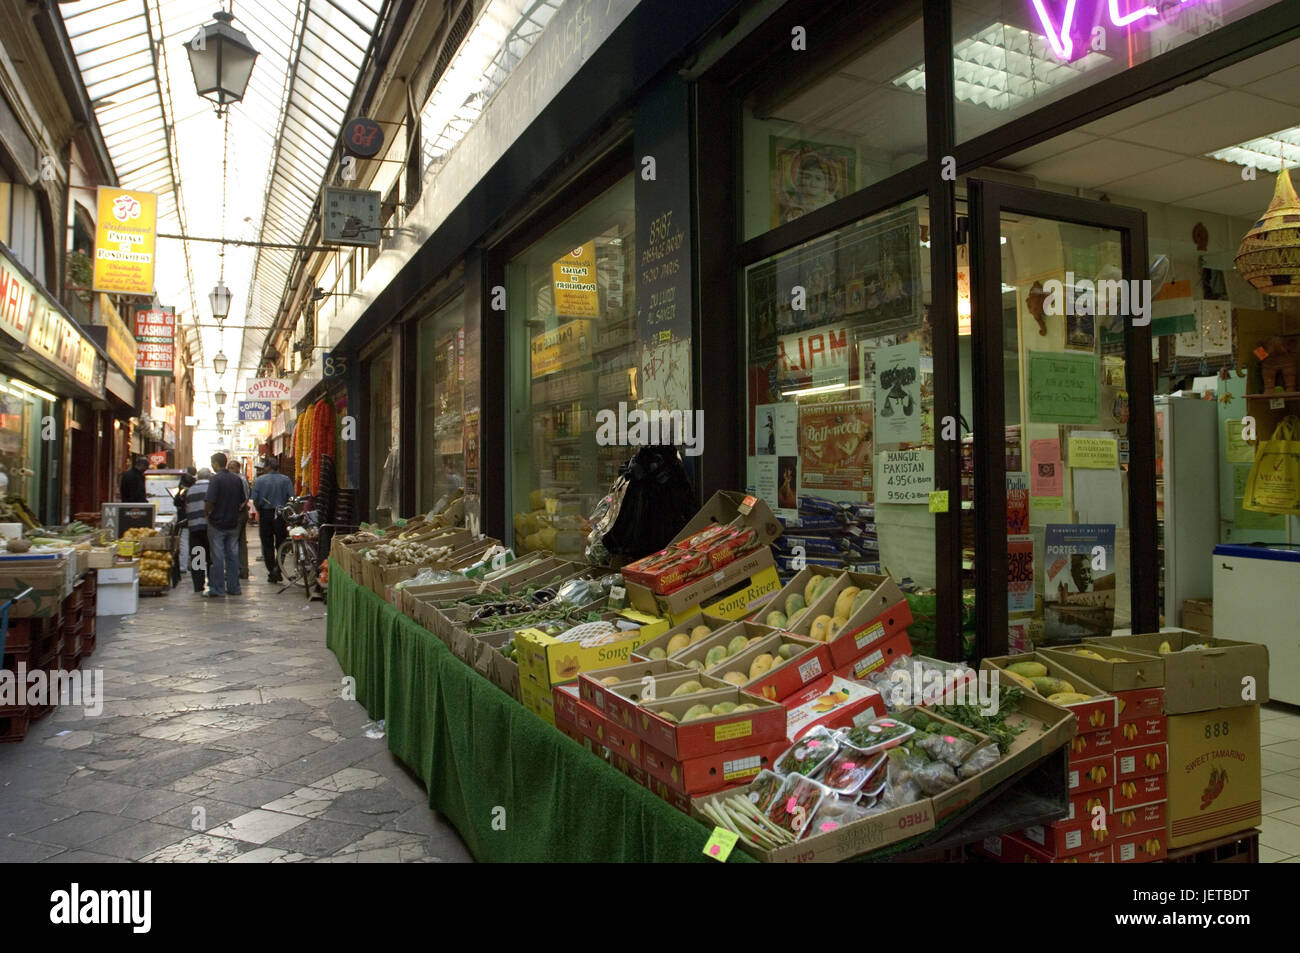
{"points": [[1187, 495]]}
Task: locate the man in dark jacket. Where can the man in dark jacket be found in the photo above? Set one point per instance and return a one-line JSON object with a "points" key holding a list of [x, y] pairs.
{"points": [[225, 498], [131, 484]]}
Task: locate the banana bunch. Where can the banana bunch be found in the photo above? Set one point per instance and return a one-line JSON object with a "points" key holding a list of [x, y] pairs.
{"points": [[1152, 847], [1130, 730], [1097, 718], [1128, 789], [1100, 834], [1098, 773], [1152, 760]]}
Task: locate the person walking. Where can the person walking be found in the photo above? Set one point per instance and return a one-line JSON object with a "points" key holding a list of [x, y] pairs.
{"points": [[131, 483], [197, 552], [243, 518], [222, 503], [271, 490], [181, 528]]}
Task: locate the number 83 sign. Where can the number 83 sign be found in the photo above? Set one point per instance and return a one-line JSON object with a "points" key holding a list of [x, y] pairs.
{"points": [[334, 365]]}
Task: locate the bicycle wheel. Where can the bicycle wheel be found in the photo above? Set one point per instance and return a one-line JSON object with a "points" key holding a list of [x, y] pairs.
{"points": [[287, 557], [307, 562]]}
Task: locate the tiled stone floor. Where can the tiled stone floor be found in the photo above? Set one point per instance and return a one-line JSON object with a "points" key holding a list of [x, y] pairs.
{"points": [[1279, 738], [224, 737]]}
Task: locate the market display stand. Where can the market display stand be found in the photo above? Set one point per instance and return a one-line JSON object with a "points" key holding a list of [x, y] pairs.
{"points": [[518, 790]]}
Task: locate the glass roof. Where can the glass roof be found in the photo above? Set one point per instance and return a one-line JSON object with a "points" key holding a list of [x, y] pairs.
{"points": [[163, 138]]}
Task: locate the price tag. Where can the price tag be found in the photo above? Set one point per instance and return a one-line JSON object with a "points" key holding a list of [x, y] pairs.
{"points": [[1276, 403], [938, 501], [720, 844]]}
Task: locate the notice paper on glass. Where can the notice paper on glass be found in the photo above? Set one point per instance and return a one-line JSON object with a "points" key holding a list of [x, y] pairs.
{"points": [[1235, 449], [898, 393], [1063, 388], [1046, 480], [904, 476], [1020, 573], [1091, 451], [1098, 496], [776, 429]]}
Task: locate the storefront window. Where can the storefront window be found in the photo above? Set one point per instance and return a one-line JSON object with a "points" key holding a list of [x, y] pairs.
{"points": [[441, 420], [573, 351], [841, 398], [22, 456], [809, 142], [1011, 57], [383, 467]]}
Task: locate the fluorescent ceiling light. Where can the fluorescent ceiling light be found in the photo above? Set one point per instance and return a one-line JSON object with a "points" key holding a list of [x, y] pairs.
{"points": [[1263, 153], [822, 389], [32, 390], [1003, 67]]}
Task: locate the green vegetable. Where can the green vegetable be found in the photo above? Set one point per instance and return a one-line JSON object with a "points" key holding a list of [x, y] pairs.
{"points": [[995, 725]]}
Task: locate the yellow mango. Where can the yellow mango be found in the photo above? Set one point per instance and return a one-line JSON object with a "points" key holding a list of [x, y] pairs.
{"points": [[821, 628], [678, 642], [737, 645], [760, 666], [844, 601], [697, 711], [1068, 698], [1028, 669], [736, 678], [699, 633]]}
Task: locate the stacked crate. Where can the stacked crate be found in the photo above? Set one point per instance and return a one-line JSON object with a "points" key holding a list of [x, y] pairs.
{"points": [[89, 612], [29, 645], [70, 650]]}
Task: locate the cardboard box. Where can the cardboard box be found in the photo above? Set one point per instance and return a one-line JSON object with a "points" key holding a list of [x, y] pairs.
{"points": [[1142, 731], [811, 662], [634, 771], [617, 739], [1214, 774], [1141, 848], [492, 665], [1093, 743], [696, 776], [537, 698], [1013, 849], [879, 656], [683, 627], [565, 700], [834, 702], [1098, 712], [1198, 615], [732, 592], [1047, 727], [1064, 838], [549, 661], [1084, 805], [1207, 679], [623, 700], [840, 843], [705, 736], [1140, 704], [1141, 761], [1130, 671], [884, 613], [1149, 790], [777, 601], [595, 692], [722, 507], [46, 577], [677, 799], [1135, 820], [1091, 774], [100, 558]]}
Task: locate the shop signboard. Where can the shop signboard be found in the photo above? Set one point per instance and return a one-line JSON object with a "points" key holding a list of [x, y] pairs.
{"points": [[155, 333], [30, 317], [267, 388], [254, 410], [577, 294], [120, 343], [125, 236], [566, 346]]}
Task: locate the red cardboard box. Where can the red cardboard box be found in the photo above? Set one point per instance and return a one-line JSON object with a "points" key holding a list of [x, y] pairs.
{"points": [[781, 681], [1091, 774], [1085, 746], [697, 776], [796, 586], [834, 702], [1083, 805], [1140, 703], [593, 690], [884, 615], [1063, 838], [1148, 790], [633, 771], [1141, 848], [661, 641], [1135, 820], [1145, 730], [1013, 849], [566, 698], [1095, 714], [677, 799], [624, 700], [878, 656], [705, 736], [1141, 761]]}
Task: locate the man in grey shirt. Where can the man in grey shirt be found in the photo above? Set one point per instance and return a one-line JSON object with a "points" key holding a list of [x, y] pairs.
{"points": [[233, 467], [271, 490]]}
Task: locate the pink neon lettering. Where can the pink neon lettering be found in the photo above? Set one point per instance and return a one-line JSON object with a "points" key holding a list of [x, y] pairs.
{"points": [[1060, 40]]}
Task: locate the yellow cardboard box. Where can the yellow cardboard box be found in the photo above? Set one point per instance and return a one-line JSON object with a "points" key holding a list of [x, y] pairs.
{"points": [[548, 661], [1214, 774], [737, 604]]}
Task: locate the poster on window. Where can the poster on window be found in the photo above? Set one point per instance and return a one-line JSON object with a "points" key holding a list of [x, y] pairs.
{"points": [[898, 393], [1020, 573], [776, 429], [835, 446], [807, 175], [1079, 579]]}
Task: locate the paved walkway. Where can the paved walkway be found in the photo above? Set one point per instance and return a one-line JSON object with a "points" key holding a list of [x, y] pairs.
{"points": [[224, 737]]}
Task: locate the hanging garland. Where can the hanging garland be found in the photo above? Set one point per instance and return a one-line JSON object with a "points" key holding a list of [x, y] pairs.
{"points": [[322, 440]]}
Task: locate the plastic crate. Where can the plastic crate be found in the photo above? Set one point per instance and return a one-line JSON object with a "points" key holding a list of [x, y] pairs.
{"points": [[14, 721]]}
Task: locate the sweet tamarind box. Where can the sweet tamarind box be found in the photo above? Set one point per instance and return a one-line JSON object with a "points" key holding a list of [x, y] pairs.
{"points": [[1214, 774]]}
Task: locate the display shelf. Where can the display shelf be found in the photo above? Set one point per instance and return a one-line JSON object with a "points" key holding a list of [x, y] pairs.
{"points": [[1283, 395]]}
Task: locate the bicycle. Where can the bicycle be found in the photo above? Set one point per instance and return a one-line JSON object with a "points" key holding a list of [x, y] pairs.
{"points": [[297, 556]]}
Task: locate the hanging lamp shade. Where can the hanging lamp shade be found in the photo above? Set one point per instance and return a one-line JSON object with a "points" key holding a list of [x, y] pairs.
{"points": [[220, 396], [219, 363], [1269, 256], [221, 59]]}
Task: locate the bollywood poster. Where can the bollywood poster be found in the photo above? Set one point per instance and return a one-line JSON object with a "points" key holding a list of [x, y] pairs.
{"points": [[835, 444]]}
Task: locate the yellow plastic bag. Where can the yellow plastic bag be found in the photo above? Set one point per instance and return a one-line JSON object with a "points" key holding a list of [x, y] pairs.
{"points": [[1274, 484]]}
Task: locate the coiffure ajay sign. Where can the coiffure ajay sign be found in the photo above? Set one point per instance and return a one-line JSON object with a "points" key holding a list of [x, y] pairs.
{"points": [[1072, 27]]}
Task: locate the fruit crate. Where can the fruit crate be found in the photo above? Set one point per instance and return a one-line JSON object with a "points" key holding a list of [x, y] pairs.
{"points": [[1240, 848], [14, 721], [23, 631]]}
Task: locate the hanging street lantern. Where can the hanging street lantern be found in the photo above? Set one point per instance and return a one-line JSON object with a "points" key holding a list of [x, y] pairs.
{"points": [[220, 396], [221, 418], [219, 299], [219, 363], [221, 59]]}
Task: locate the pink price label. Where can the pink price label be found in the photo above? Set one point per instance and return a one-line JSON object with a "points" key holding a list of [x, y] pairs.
{"points": [[949, 738], [715, 850], [791, 804], [814, 744], [828, 826], [848, 765]]}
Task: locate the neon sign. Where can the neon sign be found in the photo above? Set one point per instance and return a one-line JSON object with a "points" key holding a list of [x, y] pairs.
{"points": [[1060, 39]]}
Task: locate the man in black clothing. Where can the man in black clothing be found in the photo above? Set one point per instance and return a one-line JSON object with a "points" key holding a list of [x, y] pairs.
{"points": [[225, 498], [131, 484]]}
